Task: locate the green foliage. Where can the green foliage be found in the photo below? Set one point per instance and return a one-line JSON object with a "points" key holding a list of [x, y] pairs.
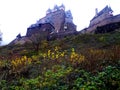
{"points": [[56, 78], [107, 80], [81, 62]]}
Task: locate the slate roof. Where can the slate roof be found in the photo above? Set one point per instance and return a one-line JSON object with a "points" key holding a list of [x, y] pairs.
{"points": [[56, 7], [62, 6], [68, 14], [106, 9], [49, 10]]}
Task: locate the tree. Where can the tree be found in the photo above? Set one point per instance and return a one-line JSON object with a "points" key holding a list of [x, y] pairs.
{"points": [[37, 39]]}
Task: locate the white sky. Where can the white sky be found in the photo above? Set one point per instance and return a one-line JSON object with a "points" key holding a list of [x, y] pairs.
{"points": [[17, 15]]}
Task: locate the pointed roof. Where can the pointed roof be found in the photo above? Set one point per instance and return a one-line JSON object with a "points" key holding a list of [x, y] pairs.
{"points": [[19, 35], [56, 7], [110, 9], [104, 10], [68, 14], [49, 10], [62, 5]]}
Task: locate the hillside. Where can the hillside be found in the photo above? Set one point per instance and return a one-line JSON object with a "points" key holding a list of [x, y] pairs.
{"points": [[81, 62]]}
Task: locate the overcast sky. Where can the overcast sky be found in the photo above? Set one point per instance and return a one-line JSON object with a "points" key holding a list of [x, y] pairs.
{"points": [[17, 15]]}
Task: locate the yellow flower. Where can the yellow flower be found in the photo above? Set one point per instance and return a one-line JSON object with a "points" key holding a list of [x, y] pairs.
{"points": [[53, 56], [24, 57], [62, 54], [73, 49], [56, 48], [57, 56], [49, 51], [44, 55]]}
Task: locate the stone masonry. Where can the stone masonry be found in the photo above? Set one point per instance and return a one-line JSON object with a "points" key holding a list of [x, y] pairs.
{"points": [[102, 18]]}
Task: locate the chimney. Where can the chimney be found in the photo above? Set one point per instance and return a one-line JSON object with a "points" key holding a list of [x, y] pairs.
{"points": [[96, 12]]}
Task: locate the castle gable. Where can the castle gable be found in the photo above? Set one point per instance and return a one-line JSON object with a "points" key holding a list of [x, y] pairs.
{"points": [[104, 21], [101, 16], [107, 10]]}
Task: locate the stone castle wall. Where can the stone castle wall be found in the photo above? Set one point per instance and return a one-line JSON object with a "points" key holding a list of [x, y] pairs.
{"points": [[57, 19], [99, 19], [39, 29], [109, 20]]}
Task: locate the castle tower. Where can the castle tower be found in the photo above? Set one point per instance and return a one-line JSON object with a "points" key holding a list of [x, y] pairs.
{"points": [[105, 13], [62, 7], [60, 19], [96, 11], [48, 11], [55, 8], [69, 17]]}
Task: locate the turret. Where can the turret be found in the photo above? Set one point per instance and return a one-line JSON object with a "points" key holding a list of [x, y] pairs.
{"points": [[62, 7], [48, 11], [55, 8], [96, 12], [69, 17]]}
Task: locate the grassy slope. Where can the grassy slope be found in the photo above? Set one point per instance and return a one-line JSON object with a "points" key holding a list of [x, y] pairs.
{"points": [[76, 62]]}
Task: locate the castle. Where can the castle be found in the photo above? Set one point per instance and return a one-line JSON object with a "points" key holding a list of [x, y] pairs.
{"points": [[61, 20], [59, 23], [102, 18]]}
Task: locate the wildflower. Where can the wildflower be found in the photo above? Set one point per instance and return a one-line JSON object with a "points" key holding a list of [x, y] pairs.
{"points": [[57, 56], [49, 51], [53, 56]]}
